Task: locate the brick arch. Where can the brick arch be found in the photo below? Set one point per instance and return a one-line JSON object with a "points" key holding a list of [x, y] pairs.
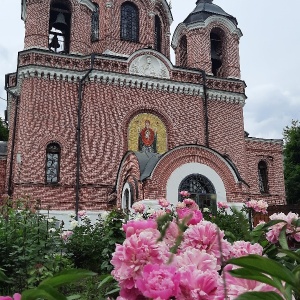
{"points": [[230, 42], [46, 140], [192, 154], [129, 171], [163, 117]]}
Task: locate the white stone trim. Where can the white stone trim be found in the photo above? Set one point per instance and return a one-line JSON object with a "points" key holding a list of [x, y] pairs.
{"points": [[203, 148], [191, 168], [261, 140], [88, 4], [177, 34], [168, 10], [223, 20], [133, 81], [226, 97]]}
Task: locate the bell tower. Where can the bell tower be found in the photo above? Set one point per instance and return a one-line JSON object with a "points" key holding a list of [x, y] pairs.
{"points": [[208, 39]]}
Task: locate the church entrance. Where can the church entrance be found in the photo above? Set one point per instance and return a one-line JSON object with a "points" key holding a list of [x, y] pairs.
{"points": [[201, 190]]}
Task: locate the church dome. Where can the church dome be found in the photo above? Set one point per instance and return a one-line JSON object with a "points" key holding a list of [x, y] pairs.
{"points": [[205, 9]]}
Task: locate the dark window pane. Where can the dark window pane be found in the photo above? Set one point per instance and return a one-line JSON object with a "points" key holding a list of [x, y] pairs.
{"points": [[157, 41], [52, 163], [129, 22], [263, 177]]}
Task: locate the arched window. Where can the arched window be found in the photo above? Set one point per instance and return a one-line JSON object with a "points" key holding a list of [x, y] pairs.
{"points": [[201, 190], [216, 48], [263, 177], [157, 33], [52, 163], [59, 27], [127, 196], [183, 51], [129, 22], [95, 24]]}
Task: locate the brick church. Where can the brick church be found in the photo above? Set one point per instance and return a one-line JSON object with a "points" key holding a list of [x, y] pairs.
{"points": [[99, 116]]}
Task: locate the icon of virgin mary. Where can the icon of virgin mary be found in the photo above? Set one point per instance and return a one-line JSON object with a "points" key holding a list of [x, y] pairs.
{"points": [[147, 139]]}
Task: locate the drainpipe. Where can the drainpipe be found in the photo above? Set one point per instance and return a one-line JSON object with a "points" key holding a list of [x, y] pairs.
{"points": [[205, 109], [78, 138]]}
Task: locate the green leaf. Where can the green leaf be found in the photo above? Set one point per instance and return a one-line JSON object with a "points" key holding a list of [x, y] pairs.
{"points": [[291, 254], [255, 275], [265, 265], [259, 296], [67, 276], [113, 291], [74, 297], [296, 222], [43, 292], [3, 277], [107, 279], [282, 238]]}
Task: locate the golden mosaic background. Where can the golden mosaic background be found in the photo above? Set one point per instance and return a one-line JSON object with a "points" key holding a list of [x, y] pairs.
{"points": [[138, 123]]}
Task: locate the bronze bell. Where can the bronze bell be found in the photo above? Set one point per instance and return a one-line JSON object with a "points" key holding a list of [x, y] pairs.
{"points": [[60, 22], [54, 43]]}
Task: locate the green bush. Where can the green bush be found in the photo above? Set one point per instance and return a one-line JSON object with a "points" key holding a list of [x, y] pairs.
{"points": [[30, 245], [91, 245]]}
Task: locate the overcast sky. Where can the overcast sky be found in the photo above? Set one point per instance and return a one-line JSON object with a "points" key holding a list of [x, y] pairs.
{"points": [[269, 53]]}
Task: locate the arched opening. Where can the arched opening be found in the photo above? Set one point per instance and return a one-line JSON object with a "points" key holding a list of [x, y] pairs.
{"points": [[59, 27], [201, 190], [95, 24], [129, 22], [183, 51], [52, 163], [216, 51], [127, 196], [157, 34], [263, 177]]}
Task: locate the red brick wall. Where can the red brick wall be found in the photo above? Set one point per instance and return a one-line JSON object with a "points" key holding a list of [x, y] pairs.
{"points": [[271, 153], [2, 176], [48, 105], [36, 27], [199, 38]]}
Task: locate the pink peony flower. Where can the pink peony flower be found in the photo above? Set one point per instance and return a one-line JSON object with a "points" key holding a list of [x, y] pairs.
{"points": [[137, 226], [15, 297], [242, 248], [171, 234], [81, 213], [130, 294], [137, 251], [258, 206], [184, 193], [191, 204], [237, 286], [66, 234], [292, 232], [163, 202], [206, 236], [223, 205], [196, 284], [138, 207], [180, 205], [199, 259], [194, 216], [159, 281]]}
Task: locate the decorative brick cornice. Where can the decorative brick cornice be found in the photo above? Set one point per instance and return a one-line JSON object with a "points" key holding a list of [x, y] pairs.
{"points": [[182, 27], [261, 140], [114, 70]]}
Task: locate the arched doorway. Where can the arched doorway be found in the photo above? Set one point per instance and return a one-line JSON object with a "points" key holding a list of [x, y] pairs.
{"points": [[201, 190]]}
